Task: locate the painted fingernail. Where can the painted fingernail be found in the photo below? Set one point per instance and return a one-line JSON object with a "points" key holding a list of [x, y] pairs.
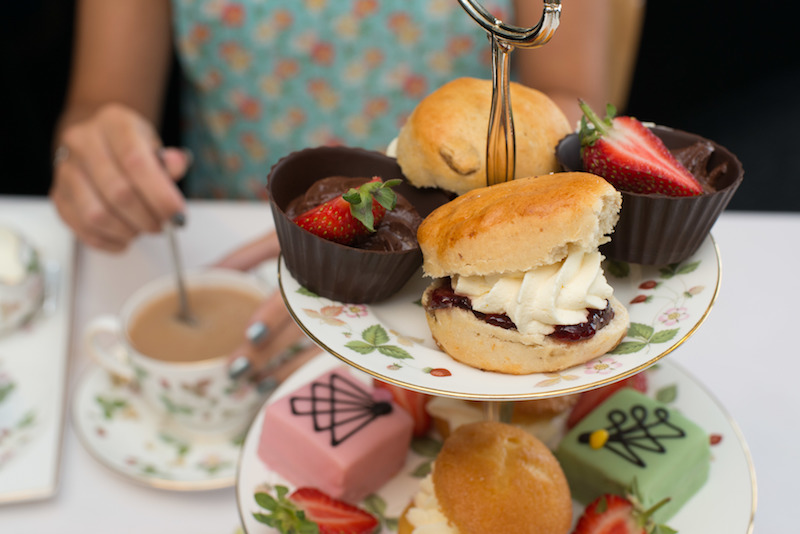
{"points": [[267, 386], [257, 332], [238, 367], [179, 219]]}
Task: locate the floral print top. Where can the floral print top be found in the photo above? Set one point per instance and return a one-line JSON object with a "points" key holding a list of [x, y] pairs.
{"points": [[265, 78]]}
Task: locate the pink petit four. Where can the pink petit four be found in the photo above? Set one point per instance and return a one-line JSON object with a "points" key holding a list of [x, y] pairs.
{"points": [[336, 434]]}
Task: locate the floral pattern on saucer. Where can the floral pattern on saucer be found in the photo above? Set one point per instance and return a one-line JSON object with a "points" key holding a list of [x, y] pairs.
{"points": [[391, 340], [121, 431]]}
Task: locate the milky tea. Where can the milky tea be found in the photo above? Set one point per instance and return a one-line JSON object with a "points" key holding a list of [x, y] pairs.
{"points": [[221, 316]]}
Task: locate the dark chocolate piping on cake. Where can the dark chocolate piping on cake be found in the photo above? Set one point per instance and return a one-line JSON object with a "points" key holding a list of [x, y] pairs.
{"points": [[639, 434], [338, 404]]}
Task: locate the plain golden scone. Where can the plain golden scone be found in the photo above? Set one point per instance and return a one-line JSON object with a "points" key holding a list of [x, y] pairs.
{"points": [[518, 225], [443, 142], [494, 477]]}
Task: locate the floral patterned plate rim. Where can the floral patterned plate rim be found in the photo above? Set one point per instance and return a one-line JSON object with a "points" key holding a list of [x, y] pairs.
{"points": [[391, 340], [120, 431], [726, 503]]}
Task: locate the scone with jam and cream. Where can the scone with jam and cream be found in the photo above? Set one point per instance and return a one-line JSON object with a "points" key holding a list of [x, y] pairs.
{"points": [[519, 283]]}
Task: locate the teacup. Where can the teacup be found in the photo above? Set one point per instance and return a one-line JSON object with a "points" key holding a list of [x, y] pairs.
{"points": [[181, 368], [22, 284]]}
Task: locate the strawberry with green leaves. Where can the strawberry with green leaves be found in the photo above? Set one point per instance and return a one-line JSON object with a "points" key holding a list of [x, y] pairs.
{"points": [[310, 511], [631, 157], [612, 514], [354, 214]]}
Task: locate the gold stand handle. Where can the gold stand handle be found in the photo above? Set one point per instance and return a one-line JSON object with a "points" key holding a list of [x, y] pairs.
{"points": [[500, 141]]}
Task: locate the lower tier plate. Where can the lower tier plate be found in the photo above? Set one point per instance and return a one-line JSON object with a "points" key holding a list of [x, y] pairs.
{"points": [[726, 503]]}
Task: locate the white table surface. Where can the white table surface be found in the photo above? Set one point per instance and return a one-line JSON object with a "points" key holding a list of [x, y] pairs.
{"points": [[744, 354]]}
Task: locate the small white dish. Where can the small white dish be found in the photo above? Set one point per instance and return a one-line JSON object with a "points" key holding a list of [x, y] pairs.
{"points": [[35, 354], [123, 433], [726, 503], [391, 340]]}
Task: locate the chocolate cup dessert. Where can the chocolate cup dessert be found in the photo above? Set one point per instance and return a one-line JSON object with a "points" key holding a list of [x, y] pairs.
{"points": [[658, 229], [340, 272]]}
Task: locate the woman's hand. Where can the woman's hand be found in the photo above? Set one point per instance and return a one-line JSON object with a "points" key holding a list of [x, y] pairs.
{"points": [[274, 345], [112, 180]]}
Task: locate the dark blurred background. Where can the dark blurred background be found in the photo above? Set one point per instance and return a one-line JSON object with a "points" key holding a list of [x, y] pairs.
{"points": [[729, 71], [718, 68], [35, 54]]}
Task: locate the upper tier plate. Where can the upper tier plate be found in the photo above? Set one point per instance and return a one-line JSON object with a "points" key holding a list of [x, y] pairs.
{"points": [[391, 340]]}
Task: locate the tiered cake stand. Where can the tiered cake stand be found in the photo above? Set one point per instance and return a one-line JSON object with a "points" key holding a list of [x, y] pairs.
{"points": [[391, 342]]}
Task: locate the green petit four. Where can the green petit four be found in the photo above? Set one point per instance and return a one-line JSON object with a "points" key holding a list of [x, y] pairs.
{"points": [[631, 436]]}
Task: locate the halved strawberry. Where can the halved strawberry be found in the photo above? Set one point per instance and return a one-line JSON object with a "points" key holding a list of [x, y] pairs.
{"points": [[310, 511], [333, 516], [356, 213], [589, 400], [412, 402], [631, 157], [612, 514]]}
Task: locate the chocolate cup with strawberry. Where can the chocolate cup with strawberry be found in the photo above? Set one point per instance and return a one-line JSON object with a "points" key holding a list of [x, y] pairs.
{"points": [[342, 272], [656, 229]]}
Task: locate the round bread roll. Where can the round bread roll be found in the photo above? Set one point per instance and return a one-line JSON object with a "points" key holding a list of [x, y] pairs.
{"points": [[443, 142], [479, 344], [518, 225], [494, 477]]}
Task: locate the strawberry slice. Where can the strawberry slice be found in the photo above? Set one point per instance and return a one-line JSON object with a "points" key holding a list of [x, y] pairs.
{"points": [[356, 213], [608, 514], [631, 157], [412, 402], [333, 516], [589, 400], [612, 514]]}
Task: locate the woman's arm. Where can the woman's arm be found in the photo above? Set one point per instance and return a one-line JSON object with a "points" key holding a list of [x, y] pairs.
{"points": [[109, 184], [574, 63], [121, 54]]}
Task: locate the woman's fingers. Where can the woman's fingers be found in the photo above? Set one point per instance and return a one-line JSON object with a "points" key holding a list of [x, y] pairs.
{"points": [[176, 161], [274, 344], [82, 210], [251, 254], [270, 333], [109, 184], [117, 190], [267, 382], [135, 147]]}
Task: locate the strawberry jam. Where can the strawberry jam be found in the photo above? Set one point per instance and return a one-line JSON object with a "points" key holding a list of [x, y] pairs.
{"points": [[444, 297], [576, 332]]}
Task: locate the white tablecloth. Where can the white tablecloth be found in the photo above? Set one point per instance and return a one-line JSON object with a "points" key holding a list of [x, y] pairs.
{"points": [[744, 354]]}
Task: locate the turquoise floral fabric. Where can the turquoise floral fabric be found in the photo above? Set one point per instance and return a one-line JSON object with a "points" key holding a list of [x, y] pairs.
{"points": [[267, 77]]}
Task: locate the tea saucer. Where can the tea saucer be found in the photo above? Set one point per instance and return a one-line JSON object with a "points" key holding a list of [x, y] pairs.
{"points": [[122, 432]]}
